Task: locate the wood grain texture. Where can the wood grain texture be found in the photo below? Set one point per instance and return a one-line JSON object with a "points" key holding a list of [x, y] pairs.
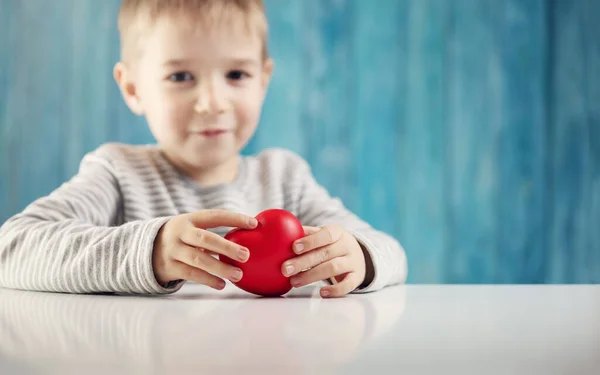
{"points": [[521, 46], [475, 118], [377, 103], [424, 140], [90, 121], [575, 136], [591, 31], [38, 103], [468, 129], [283, 128], [328, 84], [6, 141]]}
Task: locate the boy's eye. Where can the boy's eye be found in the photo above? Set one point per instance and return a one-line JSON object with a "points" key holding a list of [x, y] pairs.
{"points": [[181, 77], [237, 75]]}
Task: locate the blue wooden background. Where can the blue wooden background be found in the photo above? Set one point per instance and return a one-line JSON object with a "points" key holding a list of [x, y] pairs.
{"points": [[468, 129]]}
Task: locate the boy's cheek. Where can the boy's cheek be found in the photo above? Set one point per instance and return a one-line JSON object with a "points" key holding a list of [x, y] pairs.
{"points": [[247, 112], [169, 112], [243, 134], [168, 125]]}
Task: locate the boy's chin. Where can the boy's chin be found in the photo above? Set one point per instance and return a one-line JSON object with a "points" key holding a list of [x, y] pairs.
{"points": [[213, 158]]}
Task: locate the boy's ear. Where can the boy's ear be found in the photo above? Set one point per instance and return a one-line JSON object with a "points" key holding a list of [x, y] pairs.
{"points": [[124, 80], [267, 73]]}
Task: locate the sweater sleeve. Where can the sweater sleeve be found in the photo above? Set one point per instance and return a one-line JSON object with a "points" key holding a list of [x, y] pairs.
{"points": [[317, 208], [70, 240]]}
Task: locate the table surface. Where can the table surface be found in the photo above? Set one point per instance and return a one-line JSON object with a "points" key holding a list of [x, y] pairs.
{"points": [[413, 329]]}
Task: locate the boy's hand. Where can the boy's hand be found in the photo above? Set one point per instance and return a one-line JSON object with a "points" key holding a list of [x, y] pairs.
{"points": [[183, 248], [328, 252]]}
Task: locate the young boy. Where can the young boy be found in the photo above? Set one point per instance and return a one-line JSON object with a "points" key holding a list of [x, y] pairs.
{"points": [[144, 219]]}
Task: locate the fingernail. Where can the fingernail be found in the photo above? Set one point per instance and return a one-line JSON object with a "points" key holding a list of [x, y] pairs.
{"points": [[253, 222], [243, 254], [295, 281], [221, 284], [289, 269], [325, 293], [299, 247], [236, 275]]}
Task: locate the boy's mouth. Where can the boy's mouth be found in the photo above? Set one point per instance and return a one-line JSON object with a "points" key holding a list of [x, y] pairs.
{"points": [[211, 132]]}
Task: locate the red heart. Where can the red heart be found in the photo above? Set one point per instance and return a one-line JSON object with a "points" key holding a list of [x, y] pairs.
{"points": [[270, 244]]}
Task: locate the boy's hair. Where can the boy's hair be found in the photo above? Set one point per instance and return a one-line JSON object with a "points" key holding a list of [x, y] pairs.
{"points": [[137, 15]]}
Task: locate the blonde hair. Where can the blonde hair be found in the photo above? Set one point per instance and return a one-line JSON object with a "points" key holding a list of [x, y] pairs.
{"points": [[137, 15]]}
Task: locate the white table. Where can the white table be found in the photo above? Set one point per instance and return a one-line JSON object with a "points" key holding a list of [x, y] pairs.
{"points": [[399, 330]]}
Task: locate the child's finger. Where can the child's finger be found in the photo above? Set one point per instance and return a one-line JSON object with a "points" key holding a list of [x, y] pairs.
{"points": [[201, 260], [342, 288], [201, 238], [323, 237], [312, 259], [187, 272], [211, 253], [220, 218], [334, 267]]}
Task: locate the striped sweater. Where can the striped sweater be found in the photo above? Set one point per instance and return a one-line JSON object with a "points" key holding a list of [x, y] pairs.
{"points": [[96, 232]]}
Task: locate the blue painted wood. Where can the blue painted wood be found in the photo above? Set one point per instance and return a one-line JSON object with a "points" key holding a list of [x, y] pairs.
{"points": [[327, 88], [6, 128], [591, 32], [475, 117], [378, 97], [38, 101], [89, 122], [575, 138], [468, 129], [520, 42], [281, 124], [424, 166]]}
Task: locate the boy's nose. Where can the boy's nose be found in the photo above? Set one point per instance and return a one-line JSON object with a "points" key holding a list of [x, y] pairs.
{"points": [[211, 100]]}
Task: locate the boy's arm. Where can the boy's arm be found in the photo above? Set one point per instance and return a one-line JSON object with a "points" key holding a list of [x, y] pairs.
{"points": [[384, 256], [69, 241]]}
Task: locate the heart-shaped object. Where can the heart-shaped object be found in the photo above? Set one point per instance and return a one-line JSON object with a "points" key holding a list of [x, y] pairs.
{"points": [[270, 244]]}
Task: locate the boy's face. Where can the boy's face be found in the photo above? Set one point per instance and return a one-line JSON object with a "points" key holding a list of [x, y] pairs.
{"points": [[201, 90]]}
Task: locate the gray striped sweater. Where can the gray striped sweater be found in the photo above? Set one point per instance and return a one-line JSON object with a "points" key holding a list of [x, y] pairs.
{"points": [[95, 233]]}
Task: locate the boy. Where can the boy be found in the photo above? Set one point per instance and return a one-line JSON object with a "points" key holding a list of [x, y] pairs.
{"points": [[144, 219]]}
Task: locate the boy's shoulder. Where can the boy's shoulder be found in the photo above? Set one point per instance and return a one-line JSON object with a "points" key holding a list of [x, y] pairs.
{"points": [[280, 158], [115, 156], [273, 156], [274, 160], [113, 151]]}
